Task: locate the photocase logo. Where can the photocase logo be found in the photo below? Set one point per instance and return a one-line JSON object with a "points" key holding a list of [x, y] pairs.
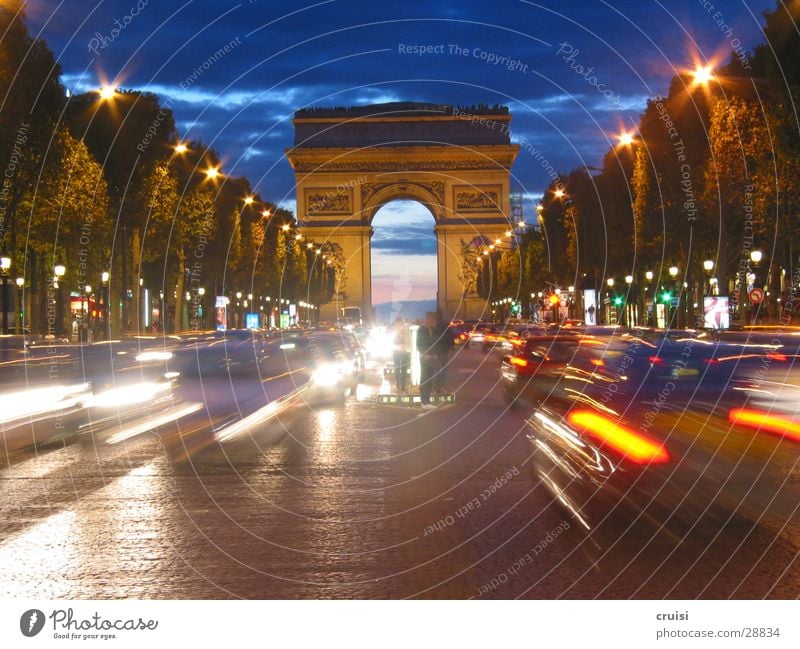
{"points": [[31, 622]]}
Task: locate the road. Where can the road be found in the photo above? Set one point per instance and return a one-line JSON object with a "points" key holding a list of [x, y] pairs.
{"points": [[359, 500]]}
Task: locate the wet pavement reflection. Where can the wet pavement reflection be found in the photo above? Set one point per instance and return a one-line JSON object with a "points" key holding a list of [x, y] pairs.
{"points": [[341, 500]]}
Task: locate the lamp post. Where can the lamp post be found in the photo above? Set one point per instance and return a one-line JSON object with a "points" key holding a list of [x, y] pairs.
{"points": [[20, 306], [673, 273], [59, 270], [5, 266], [87, 316], [756, 256], [708, 266], [650, 307], [104, 277]]}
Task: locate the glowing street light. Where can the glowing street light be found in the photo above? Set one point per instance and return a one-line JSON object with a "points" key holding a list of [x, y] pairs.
{"points": [[708, 265], [560, 193], [180, 147], [285, 227], [107, 93], [629, 279], [626, 138], [649, 275], [266, 214], [673, 271], [212, 173], [703, 74], [249, 200], [756, 256], [610, 282]]}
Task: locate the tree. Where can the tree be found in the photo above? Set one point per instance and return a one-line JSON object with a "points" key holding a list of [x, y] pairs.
{"points": [[67, 220], [31, 99]]}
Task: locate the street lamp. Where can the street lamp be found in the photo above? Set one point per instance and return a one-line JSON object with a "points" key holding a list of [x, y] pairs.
{"points": [[59, 270], [107, 93], [104, 277], [703, 75], [5, 265], [610, 282], [708, 266], [756, 256], [20, 307], [626, 138], [673, 273]]}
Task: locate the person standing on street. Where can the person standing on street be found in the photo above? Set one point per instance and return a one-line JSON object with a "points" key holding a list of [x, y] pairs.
{"points": [[428, 358], [401, 357], [444, 343]]}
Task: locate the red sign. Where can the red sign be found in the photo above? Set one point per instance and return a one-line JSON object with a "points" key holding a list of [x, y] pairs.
{"points": [[756, 295]]}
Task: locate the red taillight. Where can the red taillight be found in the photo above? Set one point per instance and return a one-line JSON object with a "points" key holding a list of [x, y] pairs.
{"points": [[655, 359], [520, 362], [765, 421], [598, 362], [775, 356], [632, 445]]}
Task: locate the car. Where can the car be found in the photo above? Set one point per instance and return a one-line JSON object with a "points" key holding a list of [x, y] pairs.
{"points": [[477, 332], [672, 434], [497, 335], [334, 367]]}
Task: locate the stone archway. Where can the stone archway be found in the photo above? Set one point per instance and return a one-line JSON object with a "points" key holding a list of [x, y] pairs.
{"points": [[349, 162]]}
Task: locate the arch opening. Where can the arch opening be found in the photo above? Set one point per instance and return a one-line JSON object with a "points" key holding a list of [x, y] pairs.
{"points": [[404, 261]]}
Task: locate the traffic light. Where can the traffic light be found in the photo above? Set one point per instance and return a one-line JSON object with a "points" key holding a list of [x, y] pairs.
{"points": [[618, 300], [666, 296]]}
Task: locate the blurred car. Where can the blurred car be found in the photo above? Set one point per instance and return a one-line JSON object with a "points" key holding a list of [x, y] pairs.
{"points": [[334, 367], [477, 332], [497, 335], [672, 433]]}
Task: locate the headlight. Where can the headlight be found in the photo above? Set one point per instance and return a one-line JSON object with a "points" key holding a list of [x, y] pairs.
{"points": [[380, 343], [153, 356], [327, 375]]}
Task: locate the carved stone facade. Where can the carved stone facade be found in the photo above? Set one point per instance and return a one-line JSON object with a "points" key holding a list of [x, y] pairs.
{"points": [[465, 185], [328, 201]]}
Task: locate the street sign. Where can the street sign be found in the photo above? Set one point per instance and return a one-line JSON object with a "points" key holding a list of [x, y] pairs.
{"points": [[756, 295], [674, 302]]}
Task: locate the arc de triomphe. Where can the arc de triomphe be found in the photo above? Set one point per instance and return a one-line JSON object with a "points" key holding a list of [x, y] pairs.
{"points": [[349, 162]]}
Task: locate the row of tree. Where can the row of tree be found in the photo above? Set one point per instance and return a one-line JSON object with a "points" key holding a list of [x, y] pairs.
{"points": [[100, 183], [711, 173]]}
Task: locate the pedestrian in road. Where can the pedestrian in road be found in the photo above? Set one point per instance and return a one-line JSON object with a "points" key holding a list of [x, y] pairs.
{"points": [[444, 343], [401, 356], [428, 358]]}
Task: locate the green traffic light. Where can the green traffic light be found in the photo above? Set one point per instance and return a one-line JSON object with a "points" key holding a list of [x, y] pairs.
{"points": [[617, 301], [666, 297]]}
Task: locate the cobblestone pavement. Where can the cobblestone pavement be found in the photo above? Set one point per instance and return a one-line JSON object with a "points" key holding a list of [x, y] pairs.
{"points": [[355, 501]]}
